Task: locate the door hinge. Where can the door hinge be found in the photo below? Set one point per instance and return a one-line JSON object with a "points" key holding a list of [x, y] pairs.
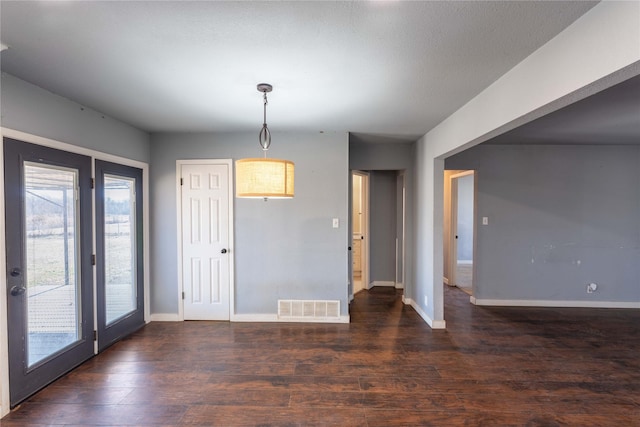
{"points": [[93, 183], [182, 295], [95, 335], [181, 181], [93, 259]]}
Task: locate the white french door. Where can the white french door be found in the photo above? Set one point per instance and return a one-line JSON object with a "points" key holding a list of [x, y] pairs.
{"points": [[206, 230]]}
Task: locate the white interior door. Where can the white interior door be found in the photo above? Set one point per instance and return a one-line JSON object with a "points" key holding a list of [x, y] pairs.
{"points": [[205, 241]]}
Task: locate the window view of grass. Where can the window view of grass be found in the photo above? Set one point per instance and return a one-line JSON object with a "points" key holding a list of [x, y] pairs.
{"points": [[51, 269], [51, 272], [119, 229]]}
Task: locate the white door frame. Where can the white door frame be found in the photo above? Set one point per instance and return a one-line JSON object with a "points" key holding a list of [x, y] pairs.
{"points": [[453, 243], [229, 163]]}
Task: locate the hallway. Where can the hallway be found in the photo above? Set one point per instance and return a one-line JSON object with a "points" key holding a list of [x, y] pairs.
{"points": [[492, 366]]}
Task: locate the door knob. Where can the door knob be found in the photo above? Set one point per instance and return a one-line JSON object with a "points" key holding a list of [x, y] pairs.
{"points": [[224, 251], [17, 290], [15, 272]]}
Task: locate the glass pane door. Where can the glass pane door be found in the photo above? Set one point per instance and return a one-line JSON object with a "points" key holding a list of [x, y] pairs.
{"points": [[120, 295], [48, 211]]}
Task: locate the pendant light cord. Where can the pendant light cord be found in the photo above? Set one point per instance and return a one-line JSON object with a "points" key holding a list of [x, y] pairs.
{"points": [[264, 96], [265, 135]]}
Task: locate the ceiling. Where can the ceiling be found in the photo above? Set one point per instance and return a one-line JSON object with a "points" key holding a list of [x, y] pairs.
{"points": [[381, 69]]}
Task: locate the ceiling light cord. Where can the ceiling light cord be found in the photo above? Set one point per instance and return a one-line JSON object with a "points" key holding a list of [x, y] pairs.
{"points": [[264, 137]]}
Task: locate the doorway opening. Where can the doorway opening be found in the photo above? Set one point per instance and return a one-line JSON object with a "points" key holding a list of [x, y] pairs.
{"points": [[460, 230], [360, 231], [378, 204]]}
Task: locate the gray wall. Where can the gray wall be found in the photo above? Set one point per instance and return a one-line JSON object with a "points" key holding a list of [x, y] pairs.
{"points": [[382, 209], [33, 110], [388, 156], [284, 249], [560, 217]]}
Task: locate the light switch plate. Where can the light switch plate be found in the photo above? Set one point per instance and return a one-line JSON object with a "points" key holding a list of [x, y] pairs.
{"points": [[336, 222]]}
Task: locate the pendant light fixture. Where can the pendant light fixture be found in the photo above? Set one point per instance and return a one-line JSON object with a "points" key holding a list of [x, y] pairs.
{"points": [[264, 178]]}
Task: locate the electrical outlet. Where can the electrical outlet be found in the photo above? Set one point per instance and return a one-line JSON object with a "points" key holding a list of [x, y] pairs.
{"points": [[591, 288], [426, 301]]}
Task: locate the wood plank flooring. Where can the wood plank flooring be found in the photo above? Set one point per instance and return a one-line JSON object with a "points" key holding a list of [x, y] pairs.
{"points": [[491, 367]]}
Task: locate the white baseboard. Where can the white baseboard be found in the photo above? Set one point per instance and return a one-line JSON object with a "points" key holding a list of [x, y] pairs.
{"points": [[465, 261], [389, 283], [399, 285], [165, 317], [552, 303], [445, 280], [273, 318], [258, 318], [434, 324]]}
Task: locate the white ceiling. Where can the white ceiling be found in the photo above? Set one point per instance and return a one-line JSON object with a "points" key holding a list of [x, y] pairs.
{"points": [[383, 68]]}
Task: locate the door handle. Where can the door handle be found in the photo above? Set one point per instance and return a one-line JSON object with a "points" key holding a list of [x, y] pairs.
{"points": [[15, 272], [224, 251], [17, 290]]}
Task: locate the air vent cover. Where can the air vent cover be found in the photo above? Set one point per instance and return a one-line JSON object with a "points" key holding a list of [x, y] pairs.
{"points": [[308, 310]]}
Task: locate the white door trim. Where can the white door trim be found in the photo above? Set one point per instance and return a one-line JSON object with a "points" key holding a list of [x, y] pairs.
{"points": [[231, 252]]}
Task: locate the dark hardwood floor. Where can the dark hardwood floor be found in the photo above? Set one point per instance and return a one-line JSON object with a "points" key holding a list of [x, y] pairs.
{"points": [[491, 367]]}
